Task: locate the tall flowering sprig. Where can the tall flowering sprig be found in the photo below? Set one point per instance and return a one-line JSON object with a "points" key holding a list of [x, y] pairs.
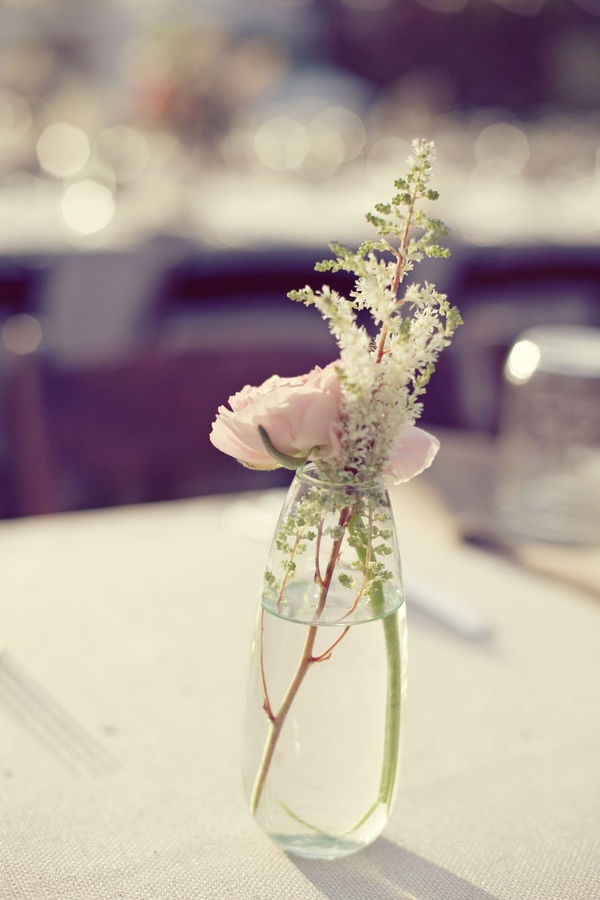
{"points": [[384, 376], [354, 421]]}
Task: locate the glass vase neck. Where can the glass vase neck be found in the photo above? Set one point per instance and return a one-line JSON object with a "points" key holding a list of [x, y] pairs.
{"points": [[334, 557], [310, 474]]}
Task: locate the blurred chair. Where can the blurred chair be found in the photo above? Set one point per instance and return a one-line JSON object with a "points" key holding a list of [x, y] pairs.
{"points": [[99, 305], [136, 430], [238, 288], [116, 404]]}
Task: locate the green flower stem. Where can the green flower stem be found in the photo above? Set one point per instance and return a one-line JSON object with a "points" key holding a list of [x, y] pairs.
{"points": [[393, 710], [393, 707]]}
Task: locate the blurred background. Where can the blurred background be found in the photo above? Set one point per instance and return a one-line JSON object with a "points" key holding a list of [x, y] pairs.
{"points": [[169, 170]]}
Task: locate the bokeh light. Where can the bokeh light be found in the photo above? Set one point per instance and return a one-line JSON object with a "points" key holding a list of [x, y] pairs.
{"points": [[501, 150], [281, 143], [384, 157], [63, 149], [124, 151], [522, 361], [336, 135], [22, 334], [492, 211], [87, 206]]}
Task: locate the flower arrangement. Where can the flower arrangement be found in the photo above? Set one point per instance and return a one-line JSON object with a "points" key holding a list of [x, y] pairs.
{"points": [[355, 418], [334, 562]]}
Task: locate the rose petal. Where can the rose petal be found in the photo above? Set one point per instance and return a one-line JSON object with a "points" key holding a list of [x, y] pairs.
{"points": [[414, 452], [225, 438], [299, 414]]}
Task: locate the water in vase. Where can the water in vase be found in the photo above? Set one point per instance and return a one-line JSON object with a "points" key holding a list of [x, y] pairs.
{"points": [[330, 782]]}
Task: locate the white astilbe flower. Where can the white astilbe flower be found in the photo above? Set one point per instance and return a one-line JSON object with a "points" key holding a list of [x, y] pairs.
{"points": [[374, 290], [384, 373]]}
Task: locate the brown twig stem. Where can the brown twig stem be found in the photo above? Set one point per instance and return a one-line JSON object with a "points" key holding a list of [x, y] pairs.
{"points": [[307, 659], [266, 702], [365, 568], [401, 254], [326, 654]]}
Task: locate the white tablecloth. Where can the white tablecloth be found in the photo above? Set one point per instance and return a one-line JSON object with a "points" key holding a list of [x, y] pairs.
{"points": [[137, 621]]}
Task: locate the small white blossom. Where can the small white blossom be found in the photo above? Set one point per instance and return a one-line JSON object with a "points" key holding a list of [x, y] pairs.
{"points": [[384, 375]]}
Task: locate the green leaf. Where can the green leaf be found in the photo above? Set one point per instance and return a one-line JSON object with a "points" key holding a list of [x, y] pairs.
{"points": [[288, 462]]}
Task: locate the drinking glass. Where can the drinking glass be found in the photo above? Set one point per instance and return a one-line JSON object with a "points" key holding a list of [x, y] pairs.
{"points": [[547, 483]]}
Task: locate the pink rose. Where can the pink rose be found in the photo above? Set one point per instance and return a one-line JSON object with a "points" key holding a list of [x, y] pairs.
{"points": [[414, 451], [299, 414]]}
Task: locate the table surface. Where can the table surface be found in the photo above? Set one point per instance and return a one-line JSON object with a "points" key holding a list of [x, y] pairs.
{"points": [[137, 622]]}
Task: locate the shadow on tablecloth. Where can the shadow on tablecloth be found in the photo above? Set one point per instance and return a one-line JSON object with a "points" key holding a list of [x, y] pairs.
{"points": [[388, 872]]}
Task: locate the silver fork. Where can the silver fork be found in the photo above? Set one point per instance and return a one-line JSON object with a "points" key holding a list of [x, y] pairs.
{"points": [[47, 721]]}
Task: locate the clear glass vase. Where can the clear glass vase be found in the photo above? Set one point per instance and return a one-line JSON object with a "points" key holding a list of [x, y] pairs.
{"points": [[328, 669]]}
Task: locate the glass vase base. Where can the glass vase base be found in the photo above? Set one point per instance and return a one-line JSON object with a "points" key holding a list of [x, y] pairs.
{"points": [[318, 846]]}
